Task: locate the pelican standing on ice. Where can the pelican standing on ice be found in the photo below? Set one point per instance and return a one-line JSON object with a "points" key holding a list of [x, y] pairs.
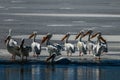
{"points": [[52, 48], [101, 45], [12, 46], [70, 48], [36, 47], [89, 43], [81, 46], [24, 50]]}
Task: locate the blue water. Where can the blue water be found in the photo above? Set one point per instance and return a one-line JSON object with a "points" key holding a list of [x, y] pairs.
{"points": [[58, 72]]}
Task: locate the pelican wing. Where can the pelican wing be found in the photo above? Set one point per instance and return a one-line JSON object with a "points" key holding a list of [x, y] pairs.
{"points": [[12, 43]]}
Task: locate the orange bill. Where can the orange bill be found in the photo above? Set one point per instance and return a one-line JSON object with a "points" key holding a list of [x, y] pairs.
{"points": [[77, 36], [86, 34], [31, 35], [64, 38], [101, 38], [44, 39], [94, 35]]}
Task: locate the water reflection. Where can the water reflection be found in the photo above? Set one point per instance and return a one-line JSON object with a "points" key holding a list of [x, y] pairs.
{"points": [[58, 72]]}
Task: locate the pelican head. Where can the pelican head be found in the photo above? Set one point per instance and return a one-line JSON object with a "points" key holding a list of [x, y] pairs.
{"points": [[33, 34], [80, 33], [99, 36], [46, 37], [94, 35], [88, 32], [49, 35], [9, 36], [10, 30], [66, 36]]}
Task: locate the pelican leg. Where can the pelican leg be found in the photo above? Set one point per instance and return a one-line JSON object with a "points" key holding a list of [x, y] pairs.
{"points": [[104, 52], [89, 52], [22, 58], [71, 54], [67, 54], [92, 52], [34, 55], [26, 58], [97, 58], [50, 53], [53, 57], [80, 53], [14, 57], [37, 55]]}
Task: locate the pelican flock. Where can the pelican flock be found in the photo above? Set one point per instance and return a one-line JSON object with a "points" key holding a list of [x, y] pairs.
{"points": [[54, 49]]}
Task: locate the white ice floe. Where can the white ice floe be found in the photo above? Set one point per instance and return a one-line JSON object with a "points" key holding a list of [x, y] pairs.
{"points": [[66, 8], [66, 15], [17, 1], [107, 26], [9, 19], [17, 7], [79, 21], [59, 25]]}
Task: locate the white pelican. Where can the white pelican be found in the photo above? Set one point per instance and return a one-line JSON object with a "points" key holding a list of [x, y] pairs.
{"points": [[70, 48], [12, 46], [101, 45], [90, 44], [36, 47], [52, 48], [81, 44], [24, 50], [14, 50]]}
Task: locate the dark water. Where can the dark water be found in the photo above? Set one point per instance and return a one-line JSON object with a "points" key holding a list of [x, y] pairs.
{"points": [[58, 72]]}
